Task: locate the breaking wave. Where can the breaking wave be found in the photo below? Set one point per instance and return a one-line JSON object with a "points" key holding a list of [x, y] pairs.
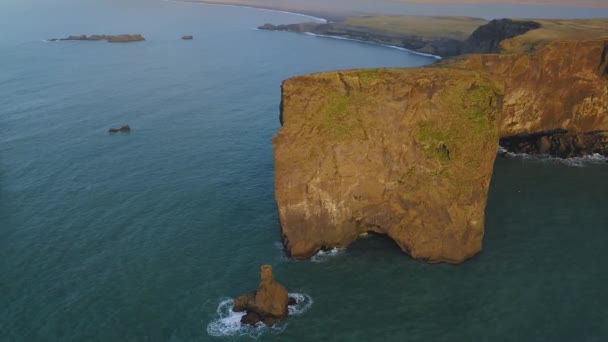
{"points": [[228, 322], [303, 303], [575, 161], [324, 255]]}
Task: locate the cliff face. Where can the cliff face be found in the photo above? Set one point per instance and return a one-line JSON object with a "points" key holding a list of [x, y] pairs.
{"points": [[561, 86], [407, 153], [487, 38]]}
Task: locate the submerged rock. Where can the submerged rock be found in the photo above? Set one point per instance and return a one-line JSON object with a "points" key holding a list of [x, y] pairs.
{"points": [[268, 304], [124, 128]]}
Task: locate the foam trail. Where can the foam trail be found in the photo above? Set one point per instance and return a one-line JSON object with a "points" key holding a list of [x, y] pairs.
{"points": [[575, 161], [375, 43], [252, 7]]}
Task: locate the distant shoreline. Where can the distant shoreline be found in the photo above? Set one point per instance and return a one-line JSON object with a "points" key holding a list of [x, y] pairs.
{"points": [[341, 14], [314, 15], [590, 4]]}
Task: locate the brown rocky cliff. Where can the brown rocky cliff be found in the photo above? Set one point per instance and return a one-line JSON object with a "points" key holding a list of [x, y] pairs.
{"points": [[407, 153], [561, 86]]}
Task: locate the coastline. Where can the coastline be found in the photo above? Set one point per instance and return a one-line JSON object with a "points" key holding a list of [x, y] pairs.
{"points": [[322, 20], [436, 57]]}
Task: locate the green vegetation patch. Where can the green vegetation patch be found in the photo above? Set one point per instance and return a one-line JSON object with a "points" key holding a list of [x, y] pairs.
{"points": [[338, 115], [459, 28], [469, 119], [553, 30]]}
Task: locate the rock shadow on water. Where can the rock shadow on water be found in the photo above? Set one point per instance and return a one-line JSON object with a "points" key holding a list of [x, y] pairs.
{"points": [[370, 243]]}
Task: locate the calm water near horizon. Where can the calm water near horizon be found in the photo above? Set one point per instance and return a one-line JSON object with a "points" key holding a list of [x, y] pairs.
{"points": [[144, 236]]}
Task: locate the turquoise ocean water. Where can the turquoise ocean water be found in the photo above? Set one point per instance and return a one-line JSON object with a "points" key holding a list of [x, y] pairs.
{"points": [[144, 236]]}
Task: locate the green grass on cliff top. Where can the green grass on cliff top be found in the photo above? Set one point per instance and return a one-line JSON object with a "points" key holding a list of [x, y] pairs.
{"points": [[450, 27], [461, 28], [552, 30]]}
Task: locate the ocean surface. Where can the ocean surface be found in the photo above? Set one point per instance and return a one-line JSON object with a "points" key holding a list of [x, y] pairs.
{"points": [[145, 236]]}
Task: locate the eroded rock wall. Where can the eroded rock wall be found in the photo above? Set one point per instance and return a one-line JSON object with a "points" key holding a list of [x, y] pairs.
{"points": [[563, 86], [407, 153]]}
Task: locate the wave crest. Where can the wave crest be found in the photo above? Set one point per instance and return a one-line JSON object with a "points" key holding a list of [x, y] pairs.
{"points": [[575, 161], [324, 255]]}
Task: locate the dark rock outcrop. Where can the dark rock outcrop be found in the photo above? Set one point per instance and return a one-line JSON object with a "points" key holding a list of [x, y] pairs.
{"points": [[121, 38], [124, 128], [561, 144], [487, 38], [268, 304]]}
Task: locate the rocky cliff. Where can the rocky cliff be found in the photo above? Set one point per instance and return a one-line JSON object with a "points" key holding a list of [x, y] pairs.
{"points": [[562, 86], [409, 153], [487, 38]]}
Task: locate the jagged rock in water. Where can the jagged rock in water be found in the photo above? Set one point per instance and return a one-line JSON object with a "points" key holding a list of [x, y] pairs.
{"points": [[268, 304]]}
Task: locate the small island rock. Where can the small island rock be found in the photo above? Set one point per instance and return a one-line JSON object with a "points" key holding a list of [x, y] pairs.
{"points": [[124, 128], [268, 304], [120, 38]]}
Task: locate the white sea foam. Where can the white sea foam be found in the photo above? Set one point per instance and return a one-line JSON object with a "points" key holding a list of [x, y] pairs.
{"points": [[228, 322], [545, 158], [303, 303], [374, 43], [252, 7], [324, 255]]}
